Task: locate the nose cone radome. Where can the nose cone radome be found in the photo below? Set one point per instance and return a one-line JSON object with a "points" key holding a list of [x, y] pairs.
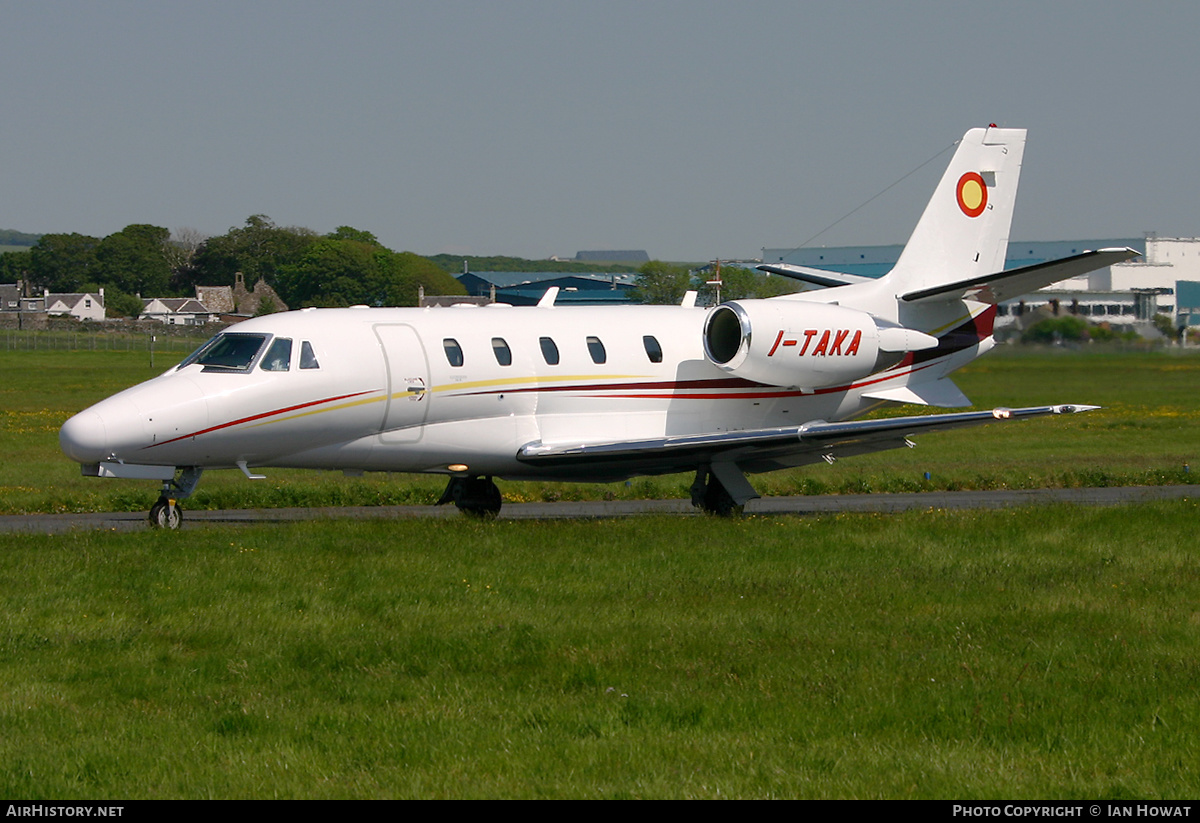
{"points": [[83, 438]]}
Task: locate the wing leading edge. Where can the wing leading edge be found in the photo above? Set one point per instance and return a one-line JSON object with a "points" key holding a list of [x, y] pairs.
{"points": [[814, 277], [765, 449]]}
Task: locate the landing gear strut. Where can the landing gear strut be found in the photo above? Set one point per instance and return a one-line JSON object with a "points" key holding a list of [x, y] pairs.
{"points": [[165, 513], [476, 496]]}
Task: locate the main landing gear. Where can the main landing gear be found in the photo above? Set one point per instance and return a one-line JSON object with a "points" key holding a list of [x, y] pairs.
{"points": [[475, 496], [721, 489], [166, 513]]}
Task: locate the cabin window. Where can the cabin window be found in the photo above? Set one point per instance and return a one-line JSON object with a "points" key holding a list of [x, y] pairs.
{"points": [[596, 350], [308, 358], [279, 356], [454, 353], [502, 351], [231, 351], [549, 351], [653, 350]]}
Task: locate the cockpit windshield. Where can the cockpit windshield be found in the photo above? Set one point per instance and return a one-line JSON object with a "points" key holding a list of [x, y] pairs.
{"points": [[230, 351]]}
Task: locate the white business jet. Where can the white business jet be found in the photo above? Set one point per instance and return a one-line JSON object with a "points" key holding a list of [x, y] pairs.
{"points": [[597, 393]]}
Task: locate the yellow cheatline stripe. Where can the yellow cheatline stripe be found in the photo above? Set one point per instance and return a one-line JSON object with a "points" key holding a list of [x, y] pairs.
{"points": [[338, 407], [519, 381], [591, 379], [956, 321]]}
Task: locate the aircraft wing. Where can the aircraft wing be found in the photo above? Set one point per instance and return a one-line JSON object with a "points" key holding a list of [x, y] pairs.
{"points": [[815, 277], [1005, 285], [764, 449]]}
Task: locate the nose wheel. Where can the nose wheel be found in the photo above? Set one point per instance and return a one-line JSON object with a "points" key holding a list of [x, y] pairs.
{"points": [[165, 514]]}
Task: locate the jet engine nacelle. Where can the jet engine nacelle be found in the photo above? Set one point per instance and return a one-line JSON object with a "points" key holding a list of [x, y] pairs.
{"points": [[802, 344]]}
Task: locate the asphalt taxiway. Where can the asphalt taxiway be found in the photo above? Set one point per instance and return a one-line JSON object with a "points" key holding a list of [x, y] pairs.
{"points": [[814, 504]]}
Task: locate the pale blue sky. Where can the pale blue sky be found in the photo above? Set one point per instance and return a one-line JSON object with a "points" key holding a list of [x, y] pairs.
{"points": [[689, 129]]}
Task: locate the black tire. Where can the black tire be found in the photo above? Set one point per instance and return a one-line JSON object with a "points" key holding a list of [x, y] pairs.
{"points": [[165, 516], [479, 497], [719, 502]]}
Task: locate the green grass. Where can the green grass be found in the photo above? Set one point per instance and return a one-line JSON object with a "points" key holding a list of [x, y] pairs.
{"points": [[1038, 653], [1033, 653], [1145, 434]]}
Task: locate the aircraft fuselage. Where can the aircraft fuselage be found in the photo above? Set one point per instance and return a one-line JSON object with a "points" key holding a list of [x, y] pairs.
{"points": [[423, 390]]}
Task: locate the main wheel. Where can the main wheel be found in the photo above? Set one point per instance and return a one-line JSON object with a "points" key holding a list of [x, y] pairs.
{"points": [[479, 497], [165, 515], [720, 502]]}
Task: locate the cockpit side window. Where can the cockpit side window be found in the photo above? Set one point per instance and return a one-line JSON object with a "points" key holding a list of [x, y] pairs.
{"points": [[229, 351], [279, 356], [308, 358]]}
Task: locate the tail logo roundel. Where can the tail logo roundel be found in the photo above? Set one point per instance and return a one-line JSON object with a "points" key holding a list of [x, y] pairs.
{"points": [[972, 194]]}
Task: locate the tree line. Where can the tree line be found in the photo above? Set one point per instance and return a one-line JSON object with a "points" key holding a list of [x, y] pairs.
{"points": [[345, 267], [666, 283]]}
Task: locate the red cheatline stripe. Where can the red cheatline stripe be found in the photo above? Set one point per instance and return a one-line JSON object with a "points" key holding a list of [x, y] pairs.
{"points": [[755, 395], [260, 417]]}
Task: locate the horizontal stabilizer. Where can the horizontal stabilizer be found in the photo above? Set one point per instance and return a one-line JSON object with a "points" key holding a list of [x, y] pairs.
{"points": [[814, 277], [1006, 285], [934, 393]]}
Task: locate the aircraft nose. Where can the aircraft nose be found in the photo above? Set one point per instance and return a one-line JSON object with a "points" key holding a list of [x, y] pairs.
{"points": [[83, 438]]}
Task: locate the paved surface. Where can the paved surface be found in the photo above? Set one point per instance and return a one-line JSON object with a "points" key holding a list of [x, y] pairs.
{"points": [[815, 504]]}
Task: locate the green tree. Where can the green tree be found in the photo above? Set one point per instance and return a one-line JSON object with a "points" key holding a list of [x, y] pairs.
{"points": [[351, 233], [134, 260], [63, 262], [119, 304], [1057, 330], [350, 267], [15, 265], [661, 283], [741, 283], [1165, 324], [259, 249]]}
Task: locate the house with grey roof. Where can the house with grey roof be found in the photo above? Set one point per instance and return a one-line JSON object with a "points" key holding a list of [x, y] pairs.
{"points": [[81, 306], [176, 311]]}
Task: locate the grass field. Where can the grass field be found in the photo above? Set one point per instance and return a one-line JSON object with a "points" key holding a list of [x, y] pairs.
{"points": [[1145, 434], [1037, 653], [1034, 653]]}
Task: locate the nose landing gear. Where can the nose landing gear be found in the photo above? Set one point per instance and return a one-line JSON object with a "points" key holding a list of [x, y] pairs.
{"points": [[166, 513]]}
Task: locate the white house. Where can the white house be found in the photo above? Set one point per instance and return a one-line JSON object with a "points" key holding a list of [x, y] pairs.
{"points": [[86, 306], [176, 311]]}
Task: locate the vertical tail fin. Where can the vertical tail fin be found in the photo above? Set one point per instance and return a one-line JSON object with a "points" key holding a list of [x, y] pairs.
{"points": [[964, 230]]}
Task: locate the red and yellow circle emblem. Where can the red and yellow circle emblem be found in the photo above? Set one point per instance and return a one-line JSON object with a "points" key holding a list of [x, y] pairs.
{"points": [[972, 194]]}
